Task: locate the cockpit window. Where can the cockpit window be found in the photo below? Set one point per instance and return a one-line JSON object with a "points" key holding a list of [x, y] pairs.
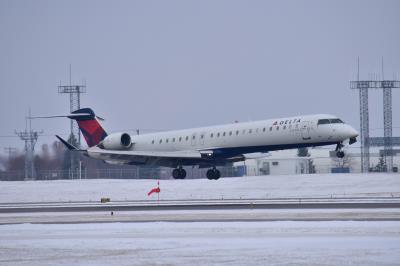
{"points": [[323, 121], [330, 121], [336, 121]]}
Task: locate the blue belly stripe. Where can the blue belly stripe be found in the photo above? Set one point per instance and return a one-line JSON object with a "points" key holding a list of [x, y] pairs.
{"points": [[235, 151]]}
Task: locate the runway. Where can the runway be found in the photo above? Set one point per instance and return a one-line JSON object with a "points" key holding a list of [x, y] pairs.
{"points": [[228, 204], [302, 209]]}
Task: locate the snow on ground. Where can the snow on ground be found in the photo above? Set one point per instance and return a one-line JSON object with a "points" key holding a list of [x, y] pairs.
{"points": [[199, 243], [316, 185]]}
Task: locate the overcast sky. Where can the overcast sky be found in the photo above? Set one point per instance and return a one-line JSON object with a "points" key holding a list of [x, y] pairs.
{"points": [[158, 65]]}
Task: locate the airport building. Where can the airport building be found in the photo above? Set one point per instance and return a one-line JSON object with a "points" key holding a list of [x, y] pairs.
{"points": [[320, 160]]}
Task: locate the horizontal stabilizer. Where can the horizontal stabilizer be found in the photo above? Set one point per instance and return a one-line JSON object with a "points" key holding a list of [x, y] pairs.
{"points": [[72, 116], [68, 145]]}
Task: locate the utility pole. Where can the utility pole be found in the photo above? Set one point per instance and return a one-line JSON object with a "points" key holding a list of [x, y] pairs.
{"points": [[30, 137]]}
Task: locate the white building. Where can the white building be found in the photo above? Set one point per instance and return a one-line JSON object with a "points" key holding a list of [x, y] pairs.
{"points": [[321, 159]]}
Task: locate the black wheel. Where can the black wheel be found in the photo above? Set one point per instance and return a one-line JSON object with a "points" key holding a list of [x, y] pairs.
{"points": [[340, 154], [210, 174], [213, 174], [182, 173], [176, 173]]}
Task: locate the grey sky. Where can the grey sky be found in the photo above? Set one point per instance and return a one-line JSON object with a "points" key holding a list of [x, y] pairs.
{"points": [[179, 64]]}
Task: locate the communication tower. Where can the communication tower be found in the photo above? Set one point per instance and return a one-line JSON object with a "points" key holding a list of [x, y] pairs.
{"points": [[74, 92], [366, 141]]}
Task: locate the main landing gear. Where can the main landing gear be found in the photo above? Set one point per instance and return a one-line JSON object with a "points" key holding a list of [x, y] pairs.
{"points": [[213, 173], [339, 152], [179, 173]]}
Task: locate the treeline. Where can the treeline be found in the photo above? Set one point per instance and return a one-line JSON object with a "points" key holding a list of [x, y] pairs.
{"points": [[50, 157]]}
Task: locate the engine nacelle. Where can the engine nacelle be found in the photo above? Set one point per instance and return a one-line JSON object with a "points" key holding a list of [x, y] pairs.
{"points": [[116, 141]]}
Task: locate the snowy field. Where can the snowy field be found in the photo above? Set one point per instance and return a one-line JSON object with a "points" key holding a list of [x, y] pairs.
{"points": [[261, 187], [103, 240], [228, 243]]}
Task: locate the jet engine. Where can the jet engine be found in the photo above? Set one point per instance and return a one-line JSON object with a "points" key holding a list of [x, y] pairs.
{"points": [[116, 141]]}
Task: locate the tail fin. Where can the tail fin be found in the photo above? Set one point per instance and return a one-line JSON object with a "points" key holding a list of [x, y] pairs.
{"points": [[89, 126]]}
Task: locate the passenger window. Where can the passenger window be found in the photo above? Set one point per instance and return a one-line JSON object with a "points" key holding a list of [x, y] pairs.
{"points": [[202, 136], [284, 127], [166, 140], [152, 142], [249, 131], [223, 134], [180, 139], [187, 138], [160, 141], [237, 132], [212, 135], [230, 133], [218, 134], [193, 137], [264, 129], [270, 129], [173, 139], [277, 128]]}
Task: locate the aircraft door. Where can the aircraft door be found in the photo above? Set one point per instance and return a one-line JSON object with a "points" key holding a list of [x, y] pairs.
{"points": [[305, 130], [193, 139], [202, 138]]}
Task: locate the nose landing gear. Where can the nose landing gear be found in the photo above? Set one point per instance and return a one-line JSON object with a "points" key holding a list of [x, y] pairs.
{"points": [[339, 151]]}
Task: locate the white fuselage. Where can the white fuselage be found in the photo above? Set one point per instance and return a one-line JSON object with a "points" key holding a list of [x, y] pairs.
{"points": [[292, 130], [239, 138]]}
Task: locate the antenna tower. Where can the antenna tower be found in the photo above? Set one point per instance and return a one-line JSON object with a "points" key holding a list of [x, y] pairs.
{"points": [[74, 92], [387, 141]]}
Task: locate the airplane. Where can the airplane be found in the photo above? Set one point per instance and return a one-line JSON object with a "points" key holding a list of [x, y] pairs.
{"points": [[209, 147]]}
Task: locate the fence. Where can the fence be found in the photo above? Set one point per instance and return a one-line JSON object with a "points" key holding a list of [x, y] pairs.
{"points": [[121, 173], [320, 165]]}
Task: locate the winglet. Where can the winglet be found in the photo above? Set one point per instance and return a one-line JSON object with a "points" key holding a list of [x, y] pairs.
{"points": [[69, 146]]}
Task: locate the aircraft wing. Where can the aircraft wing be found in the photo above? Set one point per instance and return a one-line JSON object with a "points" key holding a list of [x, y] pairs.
{"points": [[166, 154], [144, 157]]}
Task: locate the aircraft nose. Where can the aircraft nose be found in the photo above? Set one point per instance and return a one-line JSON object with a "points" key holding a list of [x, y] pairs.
{"points": [[352, 133]]}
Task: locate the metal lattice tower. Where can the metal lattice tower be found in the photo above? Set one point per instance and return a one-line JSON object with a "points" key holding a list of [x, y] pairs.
{"points": [[364, 129], [74, 92], [387, 86], [30, 137], [364, 119], [387, 127], [364, 122]]}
